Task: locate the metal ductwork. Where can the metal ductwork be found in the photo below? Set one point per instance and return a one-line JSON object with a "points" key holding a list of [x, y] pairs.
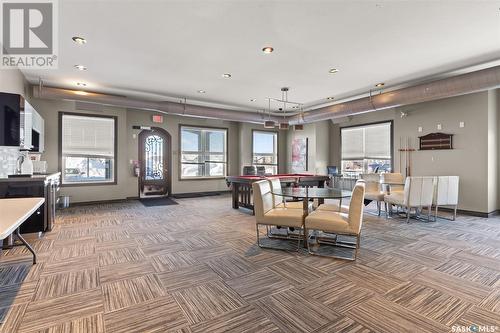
{"points": [[454, 86], [181, 109]]}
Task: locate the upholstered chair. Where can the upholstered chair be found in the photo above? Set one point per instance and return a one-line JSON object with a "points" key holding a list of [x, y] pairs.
{"points": [[373, 189], [266, 214], [387, 178], [339, 207], [446, 194], [330, 222], [279, 201], [418, 192]]}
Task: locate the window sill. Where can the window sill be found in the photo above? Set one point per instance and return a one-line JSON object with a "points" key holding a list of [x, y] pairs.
{"points": [[203, 178], [88, 184]]}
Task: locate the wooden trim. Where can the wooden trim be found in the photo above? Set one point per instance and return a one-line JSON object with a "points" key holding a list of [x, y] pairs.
{"points": [[391, 121], [167, 156], [179, 164], [277, 146], [59, 153]]}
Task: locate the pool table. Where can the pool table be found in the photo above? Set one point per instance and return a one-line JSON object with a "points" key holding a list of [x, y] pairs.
{"points": [[241, 186]]}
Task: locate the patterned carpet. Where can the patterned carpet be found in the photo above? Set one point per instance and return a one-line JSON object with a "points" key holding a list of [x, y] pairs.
{"points": [[194, 267]]}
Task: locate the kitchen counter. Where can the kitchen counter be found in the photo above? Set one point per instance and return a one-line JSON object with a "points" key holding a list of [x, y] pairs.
{"points": [[33, 178]]}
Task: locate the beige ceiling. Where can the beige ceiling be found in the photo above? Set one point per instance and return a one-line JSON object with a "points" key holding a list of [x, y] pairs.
{"points": [[167, 50]]}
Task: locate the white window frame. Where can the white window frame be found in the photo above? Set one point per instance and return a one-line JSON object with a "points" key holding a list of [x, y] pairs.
{"points": [[112, 168], [204, 152], [275, 154]]}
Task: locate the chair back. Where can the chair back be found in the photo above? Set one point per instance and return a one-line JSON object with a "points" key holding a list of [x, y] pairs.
{"points": [[419, 191], [262, 199], [275, 188], [446, 190], [356, 206], [372, 181], [393, 178]]}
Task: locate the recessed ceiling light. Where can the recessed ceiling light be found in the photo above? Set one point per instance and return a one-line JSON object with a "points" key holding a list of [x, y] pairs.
{"points": [[330, 98], [81, 84], [381, 84], [79, 40], [81, 67], [253, 100], [295, 107], [226, 75], [201, 91], [267, 49], [333, 70]]}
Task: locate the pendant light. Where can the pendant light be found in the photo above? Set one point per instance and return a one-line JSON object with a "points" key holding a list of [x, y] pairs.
{"points": [[284, 97], [269, 123]]}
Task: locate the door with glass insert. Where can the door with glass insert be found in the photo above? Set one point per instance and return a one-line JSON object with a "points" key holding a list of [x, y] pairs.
{"points": [[154, 158]]}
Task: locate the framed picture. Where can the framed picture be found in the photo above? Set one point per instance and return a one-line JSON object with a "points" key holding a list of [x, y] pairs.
{"points": [[299, 155]]}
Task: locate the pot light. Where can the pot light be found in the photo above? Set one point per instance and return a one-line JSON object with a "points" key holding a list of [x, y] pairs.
{"points": [[330, 98], [267, 49], [79, 40], [226, 75], [253, 100], [81, 84], [333, 70], [80, 67], [381, 84], [201, 91]]}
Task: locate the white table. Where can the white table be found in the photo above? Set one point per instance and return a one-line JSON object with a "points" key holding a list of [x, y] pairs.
{"points": [[13, 213]]}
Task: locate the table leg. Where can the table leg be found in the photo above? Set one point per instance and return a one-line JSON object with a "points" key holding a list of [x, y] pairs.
{"points": [[18, 234], [340, 204], [305, 209]]}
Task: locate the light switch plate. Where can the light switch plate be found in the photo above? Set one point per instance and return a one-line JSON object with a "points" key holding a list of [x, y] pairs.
{"points": [[439, 127], [420, 129], [461, 124], [134, 136]]}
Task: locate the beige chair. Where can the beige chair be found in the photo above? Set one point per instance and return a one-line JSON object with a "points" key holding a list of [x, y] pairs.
{"points": [[339, 207], [418, 192], [279, 201], [387, 178], [373, 189], [339, 223], [266, 214], [446, 194]]}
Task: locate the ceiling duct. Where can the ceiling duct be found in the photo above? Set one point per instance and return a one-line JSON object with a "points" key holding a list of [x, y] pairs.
{"points": [[454, 86], [182, 108]]}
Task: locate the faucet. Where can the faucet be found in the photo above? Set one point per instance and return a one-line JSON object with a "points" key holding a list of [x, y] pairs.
{"points": [[19, 161]]}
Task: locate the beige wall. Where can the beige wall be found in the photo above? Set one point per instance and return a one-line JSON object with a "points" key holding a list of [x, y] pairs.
{"points": [[239, 149], [12, 81], [468, 159], [319, 137]]}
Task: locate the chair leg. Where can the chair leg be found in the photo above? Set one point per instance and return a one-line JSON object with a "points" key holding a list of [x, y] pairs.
{"points": [[436, 213], [429, 210], [386, 210], [379, 207], [358, 240], [258, 239], [455, 212], [408, 211]]}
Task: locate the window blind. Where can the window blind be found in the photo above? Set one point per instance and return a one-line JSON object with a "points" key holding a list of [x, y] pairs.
{"points": [[366, 142], [86, 135]]}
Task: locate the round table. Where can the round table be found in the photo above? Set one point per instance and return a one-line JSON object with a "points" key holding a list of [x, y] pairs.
{"points": [[307, 193]]}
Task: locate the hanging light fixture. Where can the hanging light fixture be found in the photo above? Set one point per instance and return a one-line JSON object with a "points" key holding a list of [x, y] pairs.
{"points": [[284, 97], [300, 127], [269, 123]]}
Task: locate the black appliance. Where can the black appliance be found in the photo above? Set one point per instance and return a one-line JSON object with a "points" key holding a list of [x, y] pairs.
{"points": [[10, 119]]}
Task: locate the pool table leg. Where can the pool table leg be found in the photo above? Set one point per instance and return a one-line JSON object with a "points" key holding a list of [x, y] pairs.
{"points": [[235, 191]]}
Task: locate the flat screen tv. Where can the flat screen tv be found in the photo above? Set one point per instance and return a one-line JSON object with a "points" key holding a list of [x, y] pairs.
{"points": [[10, 119]]}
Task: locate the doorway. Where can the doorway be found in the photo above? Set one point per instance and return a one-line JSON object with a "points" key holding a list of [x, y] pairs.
{"points": [[155, 160]]}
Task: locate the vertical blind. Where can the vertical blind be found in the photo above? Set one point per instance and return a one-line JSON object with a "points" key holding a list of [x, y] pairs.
{"points": [[87, 135], [366, 142]]}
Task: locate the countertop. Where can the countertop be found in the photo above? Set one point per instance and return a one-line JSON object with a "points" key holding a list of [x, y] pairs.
{"points": [[13, 212], [33, 178]]}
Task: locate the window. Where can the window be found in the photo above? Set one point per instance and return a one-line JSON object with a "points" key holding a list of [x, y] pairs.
{"points": [[366, 149], [265, 151], [203, 152], [87, 149]]}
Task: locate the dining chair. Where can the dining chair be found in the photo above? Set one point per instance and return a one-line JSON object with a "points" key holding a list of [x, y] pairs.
{"points": [[279, 201], [395, 178], [373, 189], [418, 193], [338, 224], [446, 194], [268, 215], [339, 207]]}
